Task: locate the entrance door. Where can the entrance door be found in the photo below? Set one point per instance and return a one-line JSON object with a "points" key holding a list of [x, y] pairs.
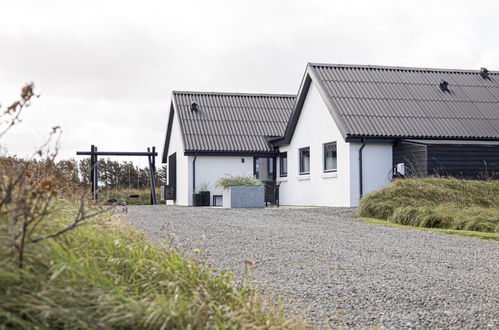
{"points": [[172, 175], [264, 169]]}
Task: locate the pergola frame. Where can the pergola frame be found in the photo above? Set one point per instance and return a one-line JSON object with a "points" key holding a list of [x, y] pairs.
{"points": [[94, 168]]}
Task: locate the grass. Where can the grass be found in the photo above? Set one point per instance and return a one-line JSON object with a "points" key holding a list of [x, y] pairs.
{"points": [[237, 180], [464, 233], [446, 203], [106, 275], [124, 195]]}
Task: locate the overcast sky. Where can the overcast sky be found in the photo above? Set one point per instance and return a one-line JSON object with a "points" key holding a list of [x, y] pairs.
{"points": [[106, 69]]}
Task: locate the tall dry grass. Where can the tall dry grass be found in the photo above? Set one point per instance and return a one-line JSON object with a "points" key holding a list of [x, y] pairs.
{"points": [[448, 203], [106, 275]]}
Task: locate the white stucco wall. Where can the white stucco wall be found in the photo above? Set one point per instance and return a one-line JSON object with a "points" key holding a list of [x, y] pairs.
{"points": [[177, 145], [210, 168], [376, 166], [314, 128]]}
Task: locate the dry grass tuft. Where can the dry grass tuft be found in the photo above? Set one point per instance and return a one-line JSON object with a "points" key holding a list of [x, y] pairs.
{"points": [[106, 275], [447, 203]]}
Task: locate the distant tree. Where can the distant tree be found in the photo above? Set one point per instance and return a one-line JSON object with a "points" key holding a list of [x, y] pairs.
{"points": [[84, 169], [162, 173]]}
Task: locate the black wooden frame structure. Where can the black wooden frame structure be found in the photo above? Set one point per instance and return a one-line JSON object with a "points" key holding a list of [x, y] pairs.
{"points": [[94, 168]]}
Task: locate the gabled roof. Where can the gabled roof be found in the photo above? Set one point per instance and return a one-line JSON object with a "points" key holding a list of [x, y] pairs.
{"points": [[396, 102], [229, 123]]}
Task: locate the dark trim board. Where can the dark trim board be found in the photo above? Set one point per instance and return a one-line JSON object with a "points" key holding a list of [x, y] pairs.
{"points": [[168, 134], [231, 153], [414, 139]]}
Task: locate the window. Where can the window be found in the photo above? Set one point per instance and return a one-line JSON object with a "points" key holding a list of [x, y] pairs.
{"points": [[270, 168], [283, 164], [305, 160], [256, 167], [330, 157]]}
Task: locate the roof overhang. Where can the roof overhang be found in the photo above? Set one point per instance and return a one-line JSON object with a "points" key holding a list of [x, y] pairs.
{"points": [[168, 134], [308, 77]]}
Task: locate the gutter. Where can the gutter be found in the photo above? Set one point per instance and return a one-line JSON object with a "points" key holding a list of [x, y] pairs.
{"points": [[361, 185], [194, 173]]}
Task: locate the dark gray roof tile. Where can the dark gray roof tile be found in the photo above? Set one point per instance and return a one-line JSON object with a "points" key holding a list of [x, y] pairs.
{"points": [[407, 102], [230, 121]]}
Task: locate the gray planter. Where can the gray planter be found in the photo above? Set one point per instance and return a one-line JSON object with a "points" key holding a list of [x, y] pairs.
{"points": [[244, 197]]}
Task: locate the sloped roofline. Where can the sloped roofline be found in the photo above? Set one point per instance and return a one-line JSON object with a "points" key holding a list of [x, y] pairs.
{"points": [[168, 133], [233, 94], [388, 67], [307, 79]]}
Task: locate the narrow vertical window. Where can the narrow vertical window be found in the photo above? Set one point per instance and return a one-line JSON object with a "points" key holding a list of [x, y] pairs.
{"points": [[256, 167], [330, 163], [270, 168], [283, 164], [305, 160]]}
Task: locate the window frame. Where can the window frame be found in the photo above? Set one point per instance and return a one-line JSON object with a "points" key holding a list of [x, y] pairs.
{"points": [[300, 168], [282, 173], [324, 145]]}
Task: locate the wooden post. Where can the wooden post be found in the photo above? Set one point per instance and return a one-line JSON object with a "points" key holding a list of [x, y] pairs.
{"points": [[92, 167], [150, 158], [96, 174]]}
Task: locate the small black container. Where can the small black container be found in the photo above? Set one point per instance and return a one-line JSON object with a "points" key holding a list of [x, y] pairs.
{"points": [[205, 198], [197, 200]]}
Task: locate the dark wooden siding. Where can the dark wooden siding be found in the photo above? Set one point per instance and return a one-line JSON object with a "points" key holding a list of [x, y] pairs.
{"points": [[463, 160], [413, 155]]}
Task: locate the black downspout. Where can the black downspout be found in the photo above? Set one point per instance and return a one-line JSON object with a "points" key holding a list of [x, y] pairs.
{"points": [[194, 173], [360, 167]]}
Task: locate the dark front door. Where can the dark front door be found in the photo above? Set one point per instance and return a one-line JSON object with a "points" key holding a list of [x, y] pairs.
{"points": [[172, 175]]}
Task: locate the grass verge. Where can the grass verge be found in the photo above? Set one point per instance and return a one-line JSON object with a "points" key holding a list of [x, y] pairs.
{"points": [[144, 195], [464, 233], [446, 203], [106, 275]]}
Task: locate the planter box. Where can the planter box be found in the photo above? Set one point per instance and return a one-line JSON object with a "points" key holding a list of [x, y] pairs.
{"points": [[205, 196], [244, 197], [197, 200]]}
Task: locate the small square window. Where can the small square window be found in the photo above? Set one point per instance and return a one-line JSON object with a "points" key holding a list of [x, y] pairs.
{"points": [[330, 161], [283, 164], [305, 160]]}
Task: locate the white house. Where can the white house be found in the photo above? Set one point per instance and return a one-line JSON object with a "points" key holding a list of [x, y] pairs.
{"points": [[340, 136]]}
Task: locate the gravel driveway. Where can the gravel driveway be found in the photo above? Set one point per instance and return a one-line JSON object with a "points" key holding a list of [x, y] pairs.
{"points": [[335, 271]]}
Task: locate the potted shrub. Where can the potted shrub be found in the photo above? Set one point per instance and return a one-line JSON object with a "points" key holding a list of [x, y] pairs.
{"points": [[242, 191]]}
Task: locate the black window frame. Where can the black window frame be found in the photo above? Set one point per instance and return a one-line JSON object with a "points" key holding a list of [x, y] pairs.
{"points": [[282, 173], [300, 157], [324, 146]]}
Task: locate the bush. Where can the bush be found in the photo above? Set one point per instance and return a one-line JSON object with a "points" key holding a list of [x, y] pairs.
{"points": [[237, 180], [105, 275], [437, 203]]}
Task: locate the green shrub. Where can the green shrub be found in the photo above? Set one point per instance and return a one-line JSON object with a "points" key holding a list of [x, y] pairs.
{"points": [[237, 180], [105, 275], [437, 203]]}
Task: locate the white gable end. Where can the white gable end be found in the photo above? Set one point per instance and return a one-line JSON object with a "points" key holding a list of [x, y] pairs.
{"points": [[314, 128]]}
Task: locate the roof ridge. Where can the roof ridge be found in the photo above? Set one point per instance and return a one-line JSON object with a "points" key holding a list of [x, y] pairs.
{"points": [[234, 94], [397, 68]]}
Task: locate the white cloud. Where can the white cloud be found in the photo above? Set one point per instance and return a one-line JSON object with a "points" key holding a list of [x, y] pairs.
{"points": [[106, 68]]}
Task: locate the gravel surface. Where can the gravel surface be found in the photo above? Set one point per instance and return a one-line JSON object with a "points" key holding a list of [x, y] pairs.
{"points": [[334, 270]]}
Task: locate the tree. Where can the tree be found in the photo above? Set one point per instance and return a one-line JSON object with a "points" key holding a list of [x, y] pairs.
{"points": [[162, 174]]}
